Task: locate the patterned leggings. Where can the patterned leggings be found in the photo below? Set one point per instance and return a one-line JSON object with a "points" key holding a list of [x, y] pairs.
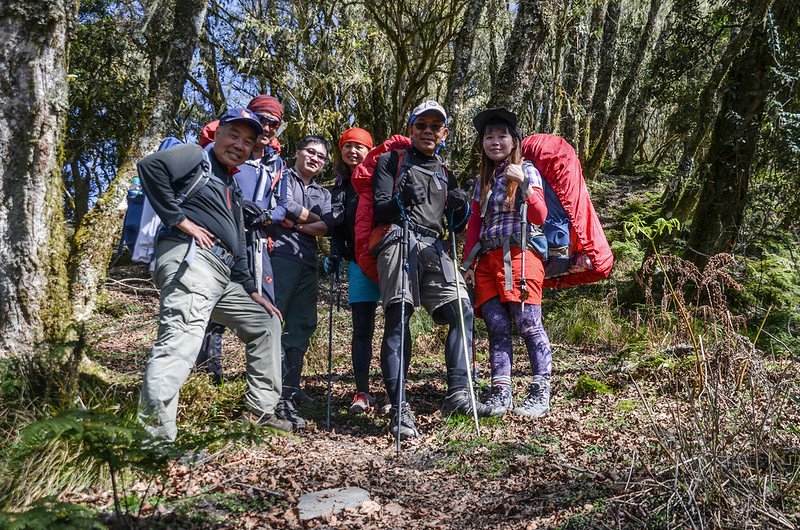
{"points": [[498, 317]]}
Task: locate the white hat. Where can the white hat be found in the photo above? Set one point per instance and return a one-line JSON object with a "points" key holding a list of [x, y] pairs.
{"points": [[427, 107]]}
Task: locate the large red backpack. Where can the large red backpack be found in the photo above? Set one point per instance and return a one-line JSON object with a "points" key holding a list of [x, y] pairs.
{"points": [[561, 169], [362, 183]]}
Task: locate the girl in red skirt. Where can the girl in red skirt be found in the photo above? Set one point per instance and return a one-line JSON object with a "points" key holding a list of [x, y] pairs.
{"points": [[509, 191]]}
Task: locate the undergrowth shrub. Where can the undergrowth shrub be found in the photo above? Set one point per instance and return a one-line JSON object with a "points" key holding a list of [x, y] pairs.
{"points": [[203, 403], [771, 292], [51, 515], [76, 449], [427, 337], [726, 453], [586, 322]]}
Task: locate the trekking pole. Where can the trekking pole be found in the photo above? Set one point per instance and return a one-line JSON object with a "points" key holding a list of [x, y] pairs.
{"points": [[463, 329], [523, 283], [339, 289], [475, 376], [403, 277], [330, 350]]}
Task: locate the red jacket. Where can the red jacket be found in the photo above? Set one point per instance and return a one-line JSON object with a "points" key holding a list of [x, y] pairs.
{"points": [[362, 183]]}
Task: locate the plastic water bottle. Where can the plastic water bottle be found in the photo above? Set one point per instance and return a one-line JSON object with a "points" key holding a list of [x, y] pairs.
{"points": [[580, 262], [135, 190]]}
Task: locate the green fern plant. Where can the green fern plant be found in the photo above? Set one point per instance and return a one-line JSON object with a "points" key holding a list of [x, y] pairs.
{"points": [[76, 448], [50, 514]]}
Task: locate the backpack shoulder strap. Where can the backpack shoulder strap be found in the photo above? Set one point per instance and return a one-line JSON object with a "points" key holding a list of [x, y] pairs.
{"points": [[403, 165], [201, 177], [278, 172], [518, 199]]}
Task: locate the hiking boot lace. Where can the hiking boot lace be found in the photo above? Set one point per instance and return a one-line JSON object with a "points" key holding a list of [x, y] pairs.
{"points": [[500, 397]]}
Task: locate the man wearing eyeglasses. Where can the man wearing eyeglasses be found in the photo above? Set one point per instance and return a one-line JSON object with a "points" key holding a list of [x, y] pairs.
{"points": [[294, 259], [258, 178], [415, 185]]}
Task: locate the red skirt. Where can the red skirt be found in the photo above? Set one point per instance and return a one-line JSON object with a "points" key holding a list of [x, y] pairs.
{"points": [[490, 279]]}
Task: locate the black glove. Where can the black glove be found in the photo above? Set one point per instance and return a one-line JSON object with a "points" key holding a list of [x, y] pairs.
{"points": [[457, 209], [250, 210], [413, 193], [254, 215], [264, 218], [457, 199]]}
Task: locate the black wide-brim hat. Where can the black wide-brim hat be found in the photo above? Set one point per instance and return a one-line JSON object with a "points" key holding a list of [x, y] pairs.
{"points": [[494, 115]]}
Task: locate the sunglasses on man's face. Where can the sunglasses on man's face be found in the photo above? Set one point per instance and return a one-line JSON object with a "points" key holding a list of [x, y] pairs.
{"points": [[267, 121], [434, 127]]}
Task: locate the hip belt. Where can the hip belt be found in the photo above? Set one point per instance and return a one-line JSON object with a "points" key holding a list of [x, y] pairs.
{"points": [[218, 249], [505, 242]]}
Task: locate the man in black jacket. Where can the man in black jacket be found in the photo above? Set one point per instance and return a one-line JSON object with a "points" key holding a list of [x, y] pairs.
{"points": [[416, 185], [200, 267]]}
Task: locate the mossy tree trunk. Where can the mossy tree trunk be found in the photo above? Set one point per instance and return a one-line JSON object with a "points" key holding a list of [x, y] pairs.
{"points": [[517, 71], [729, 163], [648, 35], [573, 78], [172, 34], [590, 75], [633, 130], [462, 56], [605, 74], [34, 308], [706, 110]]}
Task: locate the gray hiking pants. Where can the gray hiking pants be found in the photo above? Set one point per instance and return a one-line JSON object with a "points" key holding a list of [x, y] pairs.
{"points": [[191, 294]]}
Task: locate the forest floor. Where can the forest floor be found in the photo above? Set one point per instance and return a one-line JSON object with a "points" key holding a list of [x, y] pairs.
{"points": [[595, 461], [561, 470]]}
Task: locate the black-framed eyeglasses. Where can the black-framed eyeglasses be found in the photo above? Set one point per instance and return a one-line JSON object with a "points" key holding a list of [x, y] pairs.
{"points": [[316, 154], [434, 127], [266, 120]]}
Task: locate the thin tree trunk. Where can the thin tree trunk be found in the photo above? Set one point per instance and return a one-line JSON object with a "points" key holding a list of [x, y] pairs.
{"points": [[720, 209], [633, 131], [557, 90], [173, 35], [34, 308], [599, 149], [706, 108], [608, 48], [82, 191], [590, 76], [215, 93], [462, 55], [573, 77], [517, 71]]}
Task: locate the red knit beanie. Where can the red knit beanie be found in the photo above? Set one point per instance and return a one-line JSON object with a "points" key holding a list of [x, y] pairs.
{"points": [[266, 104], [357, 135]]}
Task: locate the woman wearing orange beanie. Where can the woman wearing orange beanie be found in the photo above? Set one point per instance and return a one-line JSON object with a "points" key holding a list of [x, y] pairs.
{"points": [[363, 293]]}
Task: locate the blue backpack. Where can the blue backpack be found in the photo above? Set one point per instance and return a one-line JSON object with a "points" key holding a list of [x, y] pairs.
{"points": [[142, 227]]}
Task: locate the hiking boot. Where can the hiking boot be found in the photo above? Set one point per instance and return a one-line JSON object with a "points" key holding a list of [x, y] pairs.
{"points": [[499, 401], [459, 401], [406, 429], [285, 410], [537, 403], [301, 397], [362, 402], [266, 420]]}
